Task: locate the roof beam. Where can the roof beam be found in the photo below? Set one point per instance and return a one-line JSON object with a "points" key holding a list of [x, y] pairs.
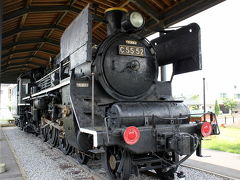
{"points": [[1, 8], [181, 11], [4, 66], [32, 28], [192, 7], [168, 3], [21, 69], [149, 10], [31, 41], [22, 22], [28, 50], [58, 20], [39, 9], [16, 67], [10, 78], [25, 57]]}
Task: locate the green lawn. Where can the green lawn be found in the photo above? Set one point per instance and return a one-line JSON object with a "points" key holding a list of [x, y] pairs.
{"points": [[228, 140]]}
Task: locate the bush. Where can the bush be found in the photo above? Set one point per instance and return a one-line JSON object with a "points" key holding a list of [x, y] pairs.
{"points": [[217, 108]]}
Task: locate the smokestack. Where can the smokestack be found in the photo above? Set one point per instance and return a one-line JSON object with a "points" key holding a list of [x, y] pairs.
{"points": [[113, 17]]}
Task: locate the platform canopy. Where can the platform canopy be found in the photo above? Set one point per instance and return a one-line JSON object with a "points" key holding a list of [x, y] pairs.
{"points": [[31, 29]]}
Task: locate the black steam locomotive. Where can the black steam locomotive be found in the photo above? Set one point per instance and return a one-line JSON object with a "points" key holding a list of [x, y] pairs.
{"points": [[104, 100]]}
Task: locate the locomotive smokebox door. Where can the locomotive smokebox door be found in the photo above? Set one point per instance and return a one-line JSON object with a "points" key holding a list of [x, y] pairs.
{"points": [[126, 73], [181, 47]]}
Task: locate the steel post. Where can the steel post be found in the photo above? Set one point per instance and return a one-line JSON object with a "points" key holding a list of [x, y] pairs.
{"points": [[1, 13], [204, 99], [163, 73]]}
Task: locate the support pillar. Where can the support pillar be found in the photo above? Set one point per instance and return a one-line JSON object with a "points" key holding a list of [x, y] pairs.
{"points": [[1, 13], [163, 70], [204, 98], [163, 73]]}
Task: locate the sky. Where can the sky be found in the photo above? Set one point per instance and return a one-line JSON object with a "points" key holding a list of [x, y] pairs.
{"points": [[220, 41]]}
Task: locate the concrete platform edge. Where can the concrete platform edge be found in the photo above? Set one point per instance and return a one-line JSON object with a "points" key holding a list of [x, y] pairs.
{"points": [[212, 168], [24, 175]]}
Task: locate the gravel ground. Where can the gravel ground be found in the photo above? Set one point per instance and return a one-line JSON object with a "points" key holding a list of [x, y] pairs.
{"points": [[192, 174], [41, 162]]}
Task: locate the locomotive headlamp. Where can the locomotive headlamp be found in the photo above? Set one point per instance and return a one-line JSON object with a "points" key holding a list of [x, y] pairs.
{"points": [[206, 129], [136, 19], [131, 135], [133, 21]]}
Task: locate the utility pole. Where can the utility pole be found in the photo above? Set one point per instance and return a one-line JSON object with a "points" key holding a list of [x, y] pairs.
{"points": [[163, 73], [163, 70], [204, 99], [1, 13]]}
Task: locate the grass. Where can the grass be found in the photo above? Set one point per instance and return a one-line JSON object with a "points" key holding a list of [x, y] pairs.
{"points": [[228, 140]]}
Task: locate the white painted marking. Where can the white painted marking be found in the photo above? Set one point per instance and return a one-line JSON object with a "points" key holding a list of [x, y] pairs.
{"points": [[94, 133], [64, 83]]}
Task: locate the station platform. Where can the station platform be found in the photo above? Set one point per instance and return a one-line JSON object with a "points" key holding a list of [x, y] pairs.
{"points": [[222, 163], [7, 157]]}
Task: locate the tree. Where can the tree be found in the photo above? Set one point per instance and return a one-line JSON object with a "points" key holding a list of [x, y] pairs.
{"points": [[194, 107], [217, 108], [229, 103], [195, 97]]}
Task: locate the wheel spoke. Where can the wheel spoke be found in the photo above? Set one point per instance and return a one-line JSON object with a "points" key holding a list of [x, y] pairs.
{"points": [[45, 133], [53, 136], [81, 157], [169, 175], [65, 147], [120, 166], [117, 163]]}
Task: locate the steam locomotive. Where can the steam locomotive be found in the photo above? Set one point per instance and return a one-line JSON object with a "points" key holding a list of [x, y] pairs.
{"points": [[105, 101]]}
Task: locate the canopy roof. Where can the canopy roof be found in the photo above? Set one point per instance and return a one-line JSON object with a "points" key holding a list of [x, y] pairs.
{"points": [[31, 29]]}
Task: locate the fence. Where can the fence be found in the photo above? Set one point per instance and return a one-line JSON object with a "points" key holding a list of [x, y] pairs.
{"points": [[232, 120]]}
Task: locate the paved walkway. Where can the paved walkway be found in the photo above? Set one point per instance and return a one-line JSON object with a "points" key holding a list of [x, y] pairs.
{"points": [[224, 163], [6, 156]]}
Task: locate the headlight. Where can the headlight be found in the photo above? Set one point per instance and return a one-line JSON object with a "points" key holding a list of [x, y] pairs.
{"points": [[136, 19]]}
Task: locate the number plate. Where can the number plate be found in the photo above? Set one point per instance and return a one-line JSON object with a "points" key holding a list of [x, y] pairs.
{"points": [[131, 50]]}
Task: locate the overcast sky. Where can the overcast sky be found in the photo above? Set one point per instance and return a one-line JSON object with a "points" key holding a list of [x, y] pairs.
{"points": [[220, 36]]}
